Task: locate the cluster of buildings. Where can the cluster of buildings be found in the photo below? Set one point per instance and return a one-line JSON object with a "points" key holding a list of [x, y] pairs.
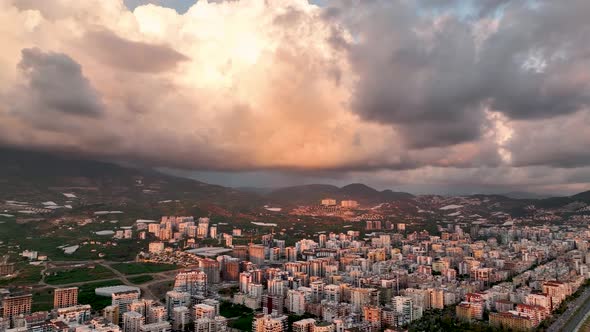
{"points": [[188, 306], [512, 277], [66, 315], [173, 229], [6, 268], [346, 209], [516, 276], [346, 204]]}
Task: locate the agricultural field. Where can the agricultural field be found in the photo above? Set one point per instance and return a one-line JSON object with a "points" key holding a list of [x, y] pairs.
{"points": [[140, 268], [42, 299], [27, 275], [78, 274], [140, 279]]}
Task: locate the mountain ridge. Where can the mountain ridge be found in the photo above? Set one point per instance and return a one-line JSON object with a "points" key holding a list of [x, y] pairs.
{"points": [[26, 173]]}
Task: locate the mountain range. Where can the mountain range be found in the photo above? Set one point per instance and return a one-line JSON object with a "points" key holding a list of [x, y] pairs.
{"points": [[27, 174]]}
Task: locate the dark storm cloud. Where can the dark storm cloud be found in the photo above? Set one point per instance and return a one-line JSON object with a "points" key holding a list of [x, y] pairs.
{"points": [[125, 54], [538, 63], [55, 82], [557, 142], [432, 77]]}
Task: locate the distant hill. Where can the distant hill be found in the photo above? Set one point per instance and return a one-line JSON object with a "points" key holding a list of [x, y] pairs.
{"points": [[313, 193], [583, 196], [558, 202], [40, 176], [524, 195], [37, 176]]}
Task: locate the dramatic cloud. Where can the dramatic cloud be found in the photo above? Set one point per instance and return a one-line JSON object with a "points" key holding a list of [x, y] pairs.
{"points": [[55, 83], [432, 78], [426, 91], [115, 51]]}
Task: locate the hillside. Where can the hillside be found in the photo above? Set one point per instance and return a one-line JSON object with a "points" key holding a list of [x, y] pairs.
{"points": [[312, 194], [39, 176]]}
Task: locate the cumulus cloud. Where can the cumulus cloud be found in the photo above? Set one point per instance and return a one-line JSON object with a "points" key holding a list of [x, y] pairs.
{"points": [[115, 51], [352, 86], [432, 78], [55, 83]]}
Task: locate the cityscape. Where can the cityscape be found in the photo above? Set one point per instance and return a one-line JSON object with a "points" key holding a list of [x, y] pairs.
{"points": [[381, 272], [294, 165]]}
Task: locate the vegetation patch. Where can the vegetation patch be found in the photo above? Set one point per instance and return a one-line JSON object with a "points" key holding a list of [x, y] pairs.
{"points": [[86, 294], [140, 268], [42, 300], [27, 275], [75, 275], [140, 279]]}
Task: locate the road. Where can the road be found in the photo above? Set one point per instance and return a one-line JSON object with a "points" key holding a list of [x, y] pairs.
{"points": [[572, 318], [159, 277]]}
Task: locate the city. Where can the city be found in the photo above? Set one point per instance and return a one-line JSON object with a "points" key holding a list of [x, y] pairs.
{"points": [[490, 274]]}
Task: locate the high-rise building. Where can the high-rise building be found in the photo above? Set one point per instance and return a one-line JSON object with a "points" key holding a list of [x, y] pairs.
{"points": [[154, 229], [372, 314], [213, 231], [123, 300], [273, 303], [229, 240], [213, 303], [269, 323], [111, 314], [203, 228], [231, 269], [404, 307], [349, 204], [211, 267], [204, 311], [437, 298], [65, 297], [469, 311], [317, 289], [328, 202], [16, 305], [296, 302], [322, 240], [193, 282], [240, 252], [245, 281], [217, 324], [256, 253], [156, 314], [176, 299], [275, 255], [304, 325], [291, 254], [332, 293], [180, 318], [132, 321], [361, 297]]}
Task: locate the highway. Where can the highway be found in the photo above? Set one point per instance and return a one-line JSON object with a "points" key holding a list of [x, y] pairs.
{"points": [[572, 318]]}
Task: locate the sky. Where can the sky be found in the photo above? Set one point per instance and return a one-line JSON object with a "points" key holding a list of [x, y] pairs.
{"points": [[447, 96]]}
